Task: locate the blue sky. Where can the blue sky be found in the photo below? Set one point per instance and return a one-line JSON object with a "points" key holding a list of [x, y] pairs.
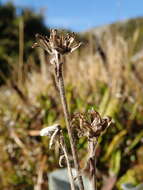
{"points": [[81, 15]]}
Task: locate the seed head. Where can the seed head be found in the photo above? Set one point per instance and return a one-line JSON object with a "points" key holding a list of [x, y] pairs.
{"points": [[90, 124]]}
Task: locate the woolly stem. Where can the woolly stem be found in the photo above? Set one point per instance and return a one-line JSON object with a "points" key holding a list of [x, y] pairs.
{"points": [[59, 78], [92, 163], [62, 142]]}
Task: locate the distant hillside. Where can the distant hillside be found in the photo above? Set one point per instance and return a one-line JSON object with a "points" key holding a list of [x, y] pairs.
{"points": [[131, 28]]}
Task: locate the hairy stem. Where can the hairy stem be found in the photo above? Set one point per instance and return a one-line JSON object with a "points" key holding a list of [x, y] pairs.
{"points": [[67, 119], [92, 163], [63, 145]]}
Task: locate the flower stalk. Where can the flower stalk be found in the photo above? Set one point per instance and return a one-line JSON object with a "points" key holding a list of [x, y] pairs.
{"points": [[64, 148], [92, 144], [59, 77]]}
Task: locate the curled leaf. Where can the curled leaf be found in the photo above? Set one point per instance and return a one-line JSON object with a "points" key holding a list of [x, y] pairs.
{"points": [[48, 131], [62, 157]]}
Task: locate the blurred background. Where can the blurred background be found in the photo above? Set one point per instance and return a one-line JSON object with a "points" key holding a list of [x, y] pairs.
{"points": [[105, 73]]}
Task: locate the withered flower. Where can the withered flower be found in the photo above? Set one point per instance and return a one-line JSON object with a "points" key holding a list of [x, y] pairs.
{"points": [[57, 42], [90, 124]]}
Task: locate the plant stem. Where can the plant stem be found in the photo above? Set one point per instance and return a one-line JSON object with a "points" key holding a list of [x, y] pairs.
{"points": [[92, 163], [63, 145], [21, 51], [67, 119]]}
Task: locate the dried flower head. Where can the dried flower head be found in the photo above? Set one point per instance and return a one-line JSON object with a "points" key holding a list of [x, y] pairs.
{"points": [[57, 42], [90, 124]]}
